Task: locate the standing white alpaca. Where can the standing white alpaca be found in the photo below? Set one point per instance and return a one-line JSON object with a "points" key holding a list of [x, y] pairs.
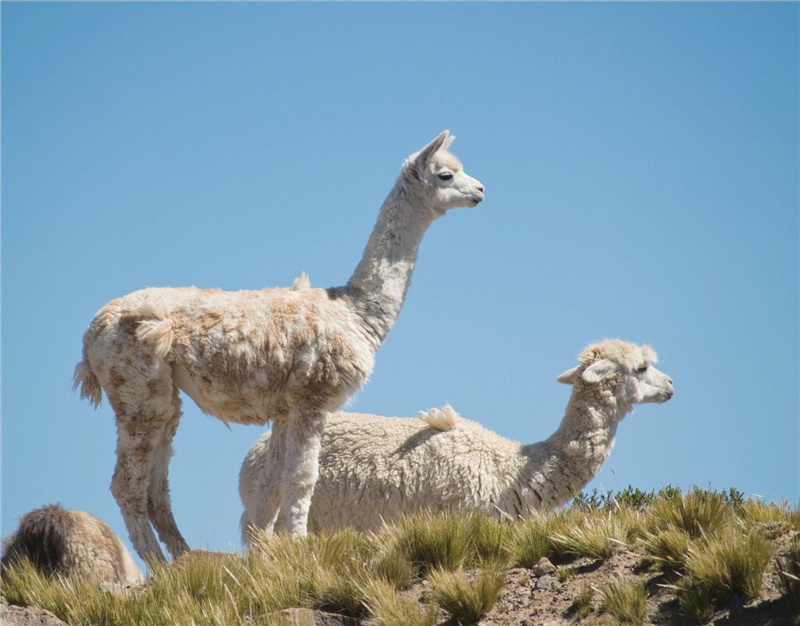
{"points": [[287, 355], [375, 469]]}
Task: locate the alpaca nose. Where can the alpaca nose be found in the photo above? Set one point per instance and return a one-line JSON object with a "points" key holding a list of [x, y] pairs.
{"points": [[481, 189]]}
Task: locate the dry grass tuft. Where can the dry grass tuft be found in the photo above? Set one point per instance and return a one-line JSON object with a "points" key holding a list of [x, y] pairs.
{"points": [[698, 513], [432, 541], [466, 602], [625, 601], [389, 608], [668, 549], [596, 534], [530, 540]]}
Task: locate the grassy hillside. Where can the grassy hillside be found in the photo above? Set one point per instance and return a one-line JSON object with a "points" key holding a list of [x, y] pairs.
{"points": [[635, 558]]}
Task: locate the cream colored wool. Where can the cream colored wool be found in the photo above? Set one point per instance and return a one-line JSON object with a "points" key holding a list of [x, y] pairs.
{"points": [[375, 469], [290, 355], [71, 544]]}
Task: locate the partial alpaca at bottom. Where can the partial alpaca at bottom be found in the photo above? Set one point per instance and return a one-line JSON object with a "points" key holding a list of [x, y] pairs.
{"points": [[71, 543], [375, 469]]}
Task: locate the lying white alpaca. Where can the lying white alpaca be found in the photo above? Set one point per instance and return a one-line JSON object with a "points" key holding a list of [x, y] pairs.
{"points": [[375, 469], [71, 543], [287, 355]]}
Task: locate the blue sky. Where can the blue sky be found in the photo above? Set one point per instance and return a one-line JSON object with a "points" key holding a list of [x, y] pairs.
{"points": [[641, 168]]}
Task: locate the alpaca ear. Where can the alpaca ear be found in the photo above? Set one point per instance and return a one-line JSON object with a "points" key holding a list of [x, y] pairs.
{"points": [[447, 142], [432, 148], [599, 370], [568, 377]]}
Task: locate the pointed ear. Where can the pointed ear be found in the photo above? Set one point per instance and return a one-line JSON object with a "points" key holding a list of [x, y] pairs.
{"points": [[432, 148], [568, 377], [598, 370], [448, 142]]}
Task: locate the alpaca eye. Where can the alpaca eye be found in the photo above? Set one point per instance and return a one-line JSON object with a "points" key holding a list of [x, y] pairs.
{"points": [[445, 176], [642, 369]]}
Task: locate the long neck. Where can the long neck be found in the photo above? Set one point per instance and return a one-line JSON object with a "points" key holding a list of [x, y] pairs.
{"points": [[379, 284], [557, 468]]}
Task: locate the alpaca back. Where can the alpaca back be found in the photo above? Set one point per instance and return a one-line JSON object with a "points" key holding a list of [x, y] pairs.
{"points": [[71, 543], [374, 469]]}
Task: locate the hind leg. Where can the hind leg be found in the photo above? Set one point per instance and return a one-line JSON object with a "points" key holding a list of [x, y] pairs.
{"points": [[135, 446], [141, 393], [158, 500]]}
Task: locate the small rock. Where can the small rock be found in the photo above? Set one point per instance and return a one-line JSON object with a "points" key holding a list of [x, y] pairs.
{"points": [[11, 615], [544, 582], [544, 567]]}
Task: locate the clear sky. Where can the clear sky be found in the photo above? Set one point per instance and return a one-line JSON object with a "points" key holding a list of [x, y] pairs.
{"points": [[641, 171]]}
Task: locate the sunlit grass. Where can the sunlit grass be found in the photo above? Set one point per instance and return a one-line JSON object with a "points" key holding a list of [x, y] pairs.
{"points": [[698, 513], [389, 608], [596, 534], [466, 601], [530, 540], [668, 549], [625, 601], [709, 546]]}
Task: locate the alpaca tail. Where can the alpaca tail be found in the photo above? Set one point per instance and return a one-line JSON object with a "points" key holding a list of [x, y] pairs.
{"points": [[90, 386], [157, 331], [301, 282], [445, 418]]}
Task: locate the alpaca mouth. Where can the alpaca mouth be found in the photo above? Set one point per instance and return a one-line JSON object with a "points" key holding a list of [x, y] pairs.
{"points": [[476, 199], [666, 395]]}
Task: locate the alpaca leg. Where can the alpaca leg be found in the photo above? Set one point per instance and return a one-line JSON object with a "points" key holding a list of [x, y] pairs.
{"points": [[141, 394], [268, 506], [135, 447], [301, 467], [263, 501], [158, 499]]}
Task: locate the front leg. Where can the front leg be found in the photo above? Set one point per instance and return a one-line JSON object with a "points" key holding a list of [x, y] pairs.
{"points": [[301, 466]]}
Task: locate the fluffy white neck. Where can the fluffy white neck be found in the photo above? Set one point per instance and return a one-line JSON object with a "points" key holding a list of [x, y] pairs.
{"points": [[379, 284], [554, 470]]}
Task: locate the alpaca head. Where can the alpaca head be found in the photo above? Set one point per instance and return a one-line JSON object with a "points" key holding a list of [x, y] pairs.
{"points": [[444, 185], [625, 369]]}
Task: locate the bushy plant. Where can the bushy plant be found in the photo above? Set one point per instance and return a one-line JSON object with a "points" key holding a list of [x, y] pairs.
{"points": [[626, 601], [433, 541], [668, 549], [529, 540], [389, 608], [466, 602], [594, 535], [698, 513]]}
